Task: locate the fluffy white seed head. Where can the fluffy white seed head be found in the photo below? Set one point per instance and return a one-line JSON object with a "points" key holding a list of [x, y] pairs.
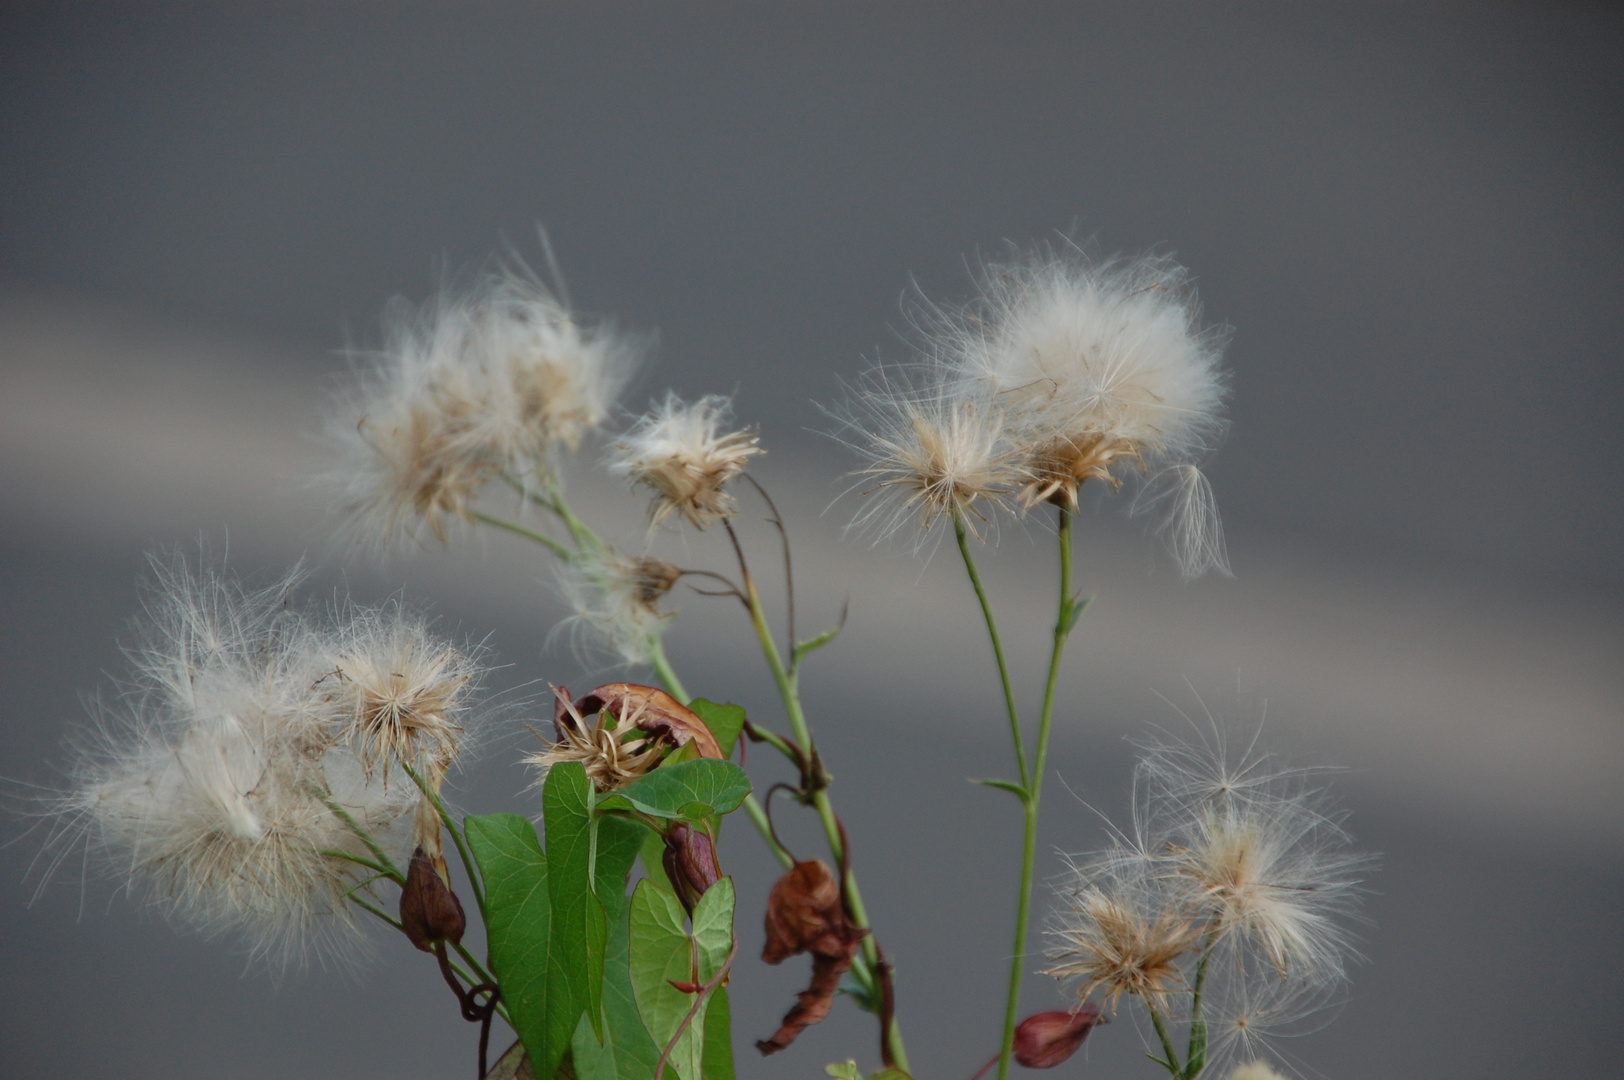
{"points": [[393, 693], [679, 451], [1249, 859], [212, 784], [615, 600], [481, 382], [1102, 371], [1254, 1070], [1115, 931], [927, 454]]}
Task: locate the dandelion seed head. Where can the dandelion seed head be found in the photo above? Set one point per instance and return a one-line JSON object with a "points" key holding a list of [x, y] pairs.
{"points": [[616, 601], [1113, 931], [679, 451], [211, 784], [483, 381], [926, 455], [394, 693]]}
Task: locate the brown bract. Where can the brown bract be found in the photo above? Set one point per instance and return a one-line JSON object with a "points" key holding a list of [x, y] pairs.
{"points": [[1060, 468], [805, 914], [652, 710]]}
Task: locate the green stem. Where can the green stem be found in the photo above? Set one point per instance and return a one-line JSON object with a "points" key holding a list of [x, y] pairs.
{"points": [[787, 681], [663, 672], [960, 533], [529, 534], [385, 863], [1167, 1043], [1064, 620]]}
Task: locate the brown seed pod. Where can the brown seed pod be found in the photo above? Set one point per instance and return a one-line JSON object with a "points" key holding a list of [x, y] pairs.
{"points": [[429, 911]]}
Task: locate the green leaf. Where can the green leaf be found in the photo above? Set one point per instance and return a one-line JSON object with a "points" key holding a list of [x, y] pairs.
{"points": [[1004, 785], [580, 924], [1074, 611], [1196, 1060], [661, 952], [717, 1063], [653, 858], [725, 722], [713, 927], [518, 925], [692, 790], [627, 1052], [843, 1070]]}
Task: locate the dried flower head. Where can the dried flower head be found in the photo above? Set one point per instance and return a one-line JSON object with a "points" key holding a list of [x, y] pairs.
{"points": [[616, 600], [223, 782], [1115, 932], [480, 383], [1102, 371], [612, 748], [395, 694], [927, 455], [1236, 875], [679, 451]]}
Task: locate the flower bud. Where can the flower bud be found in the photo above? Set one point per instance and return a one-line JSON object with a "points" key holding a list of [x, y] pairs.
{"points": [[429, 911], [1046, 1039], [690, 863]]}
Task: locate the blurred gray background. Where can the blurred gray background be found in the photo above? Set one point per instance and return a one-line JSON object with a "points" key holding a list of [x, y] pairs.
{"points": [[1409, 214]]}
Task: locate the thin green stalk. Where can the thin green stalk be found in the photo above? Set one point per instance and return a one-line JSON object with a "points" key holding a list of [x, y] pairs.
{"points": [[787, 679], [529, 534], [1065, 619], [378, 911], [663, 672], [1167, 1043], [960, 534], [385, 863]]}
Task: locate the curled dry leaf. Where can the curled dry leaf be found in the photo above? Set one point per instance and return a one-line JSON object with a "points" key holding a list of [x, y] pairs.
{"points": [[805, 914], [651, 709]]}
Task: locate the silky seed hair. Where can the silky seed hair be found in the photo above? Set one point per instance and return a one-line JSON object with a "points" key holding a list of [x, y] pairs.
{"points": [[489, 380], [680, 451], [219, 782], [1103, 372]]}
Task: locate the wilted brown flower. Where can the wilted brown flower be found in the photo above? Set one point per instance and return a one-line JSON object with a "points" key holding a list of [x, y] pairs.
{"points": [[636, 727], [805, 914]]}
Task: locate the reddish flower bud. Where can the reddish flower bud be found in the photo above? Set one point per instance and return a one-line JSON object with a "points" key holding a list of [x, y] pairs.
{"points": [[690, 863], [429, 911], [1048, 1038]]}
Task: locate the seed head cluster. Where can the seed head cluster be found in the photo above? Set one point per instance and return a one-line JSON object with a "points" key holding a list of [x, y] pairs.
{"points": [[222, 780], [1060, 372], [481, 383], [1236, 877], [615, 600], [680, 452]]}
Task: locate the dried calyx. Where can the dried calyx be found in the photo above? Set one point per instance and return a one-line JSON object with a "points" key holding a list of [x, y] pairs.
{"points": [[634, 728]]}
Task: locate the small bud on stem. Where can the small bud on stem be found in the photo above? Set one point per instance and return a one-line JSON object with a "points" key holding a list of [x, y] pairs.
{"points": [[690, 863]]}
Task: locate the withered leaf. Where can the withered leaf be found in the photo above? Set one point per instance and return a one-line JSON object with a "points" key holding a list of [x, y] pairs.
{"points": [[805, 914]]}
